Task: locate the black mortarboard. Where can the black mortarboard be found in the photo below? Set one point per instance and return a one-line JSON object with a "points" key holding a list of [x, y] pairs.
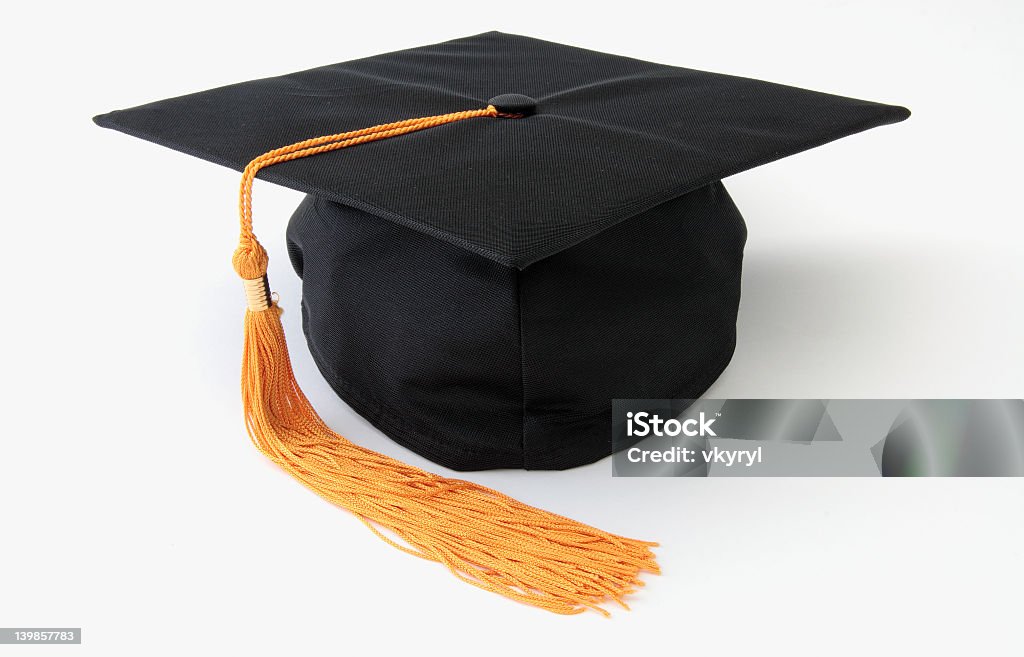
{"points": [[545, 231]]}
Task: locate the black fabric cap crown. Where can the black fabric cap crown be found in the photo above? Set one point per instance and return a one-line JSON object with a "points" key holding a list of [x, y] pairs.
{"points": [[482, 290]]}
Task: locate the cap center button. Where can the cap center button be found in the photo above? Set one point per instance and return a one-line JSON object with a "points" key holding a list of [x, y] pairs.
{"points": [[514, 104]]}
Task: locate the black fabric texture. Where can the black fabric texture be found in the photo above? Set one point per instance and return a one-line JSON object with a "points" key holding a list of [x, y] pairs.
{"points": [[477, 365], [482, 290]]}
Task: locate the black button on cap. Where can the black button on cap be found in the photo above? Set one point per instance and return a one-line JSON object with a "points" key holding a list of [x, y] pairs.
{"points": [[514, 104]]}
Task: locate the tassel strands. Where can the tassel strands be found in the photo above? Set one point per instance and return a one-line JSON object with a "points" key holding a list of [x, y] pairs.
{"points": [[482, 536]]}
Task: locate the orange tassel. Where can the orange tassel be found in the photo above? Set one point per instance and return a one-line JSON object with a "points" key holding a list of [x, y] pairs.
{"points": [[483, 537]]}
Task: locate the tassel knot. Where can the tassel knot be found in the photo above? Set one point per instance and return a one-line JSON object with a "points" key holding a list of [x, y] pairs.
{"points": [[250, 259]]}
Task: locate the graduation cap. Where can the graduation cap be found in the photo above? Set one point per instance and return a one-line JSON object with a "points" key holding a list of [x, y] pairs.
{"points": [[500, 236]]}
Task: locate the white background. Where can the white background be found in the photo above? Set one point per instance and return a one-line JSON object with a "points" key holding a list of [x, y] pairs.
{"points": [[889, 264]]}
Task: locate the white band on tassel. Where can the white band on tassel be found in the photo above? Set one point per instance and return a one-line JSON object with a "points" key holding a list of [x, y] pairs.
{"points": [[257, 293]]}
